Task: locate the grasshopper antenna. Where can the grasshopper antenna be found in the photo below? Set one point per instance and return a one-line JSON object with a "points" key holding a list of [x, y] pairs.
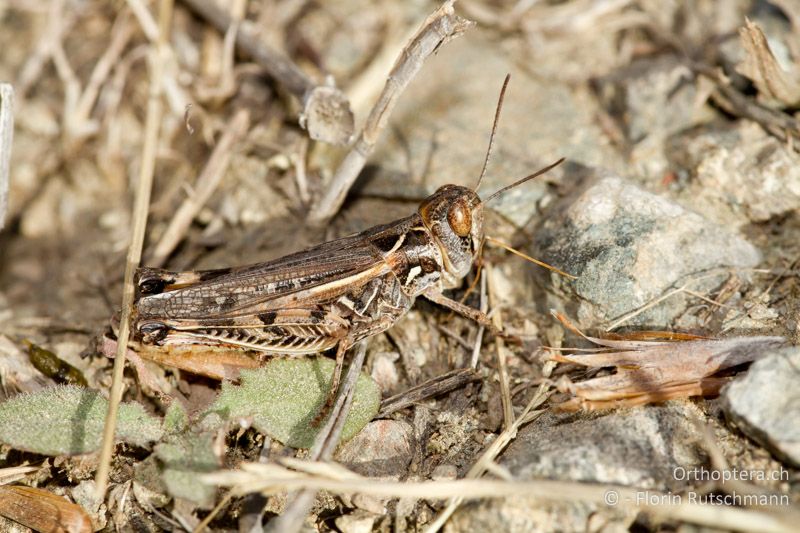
{"points": [[523, 180], [494, 129], [504, 246]]}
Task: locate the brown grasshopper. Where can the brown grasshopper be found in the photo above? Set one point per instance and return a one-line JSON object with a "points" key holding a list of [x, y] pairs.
{"points": [[330, 295]]}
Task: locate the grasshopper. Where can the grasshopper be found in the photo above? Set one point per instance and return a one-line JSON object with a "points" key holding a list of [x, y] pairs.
{"points": [[329, 296]]}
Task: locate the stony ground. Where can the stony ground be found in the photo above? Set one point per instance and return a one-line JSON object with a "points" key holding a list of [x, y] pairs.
{"points": [[676, 208]]}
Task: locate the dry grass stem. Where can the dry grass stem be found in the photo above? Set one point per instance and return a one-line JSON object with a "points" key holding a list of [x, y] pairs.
{"points": [[175, 95], [141, 206], [476, 349], [502, 353], [300, 175], [455, 337], [669, 294], [326, 111], [121, 33], [15, 473], [146, 21], [274, 478], [206, 183], [442, 26], [225, 500], [58, 21], [738, 486], [6, 141]]}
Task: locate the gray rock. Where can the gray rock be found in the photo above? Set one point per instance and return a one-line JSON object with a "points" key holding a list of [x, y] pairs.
{"points": [[650, 86], [765, 403], [356, 522], [445, 472], [519, 513], [383, 448], [639, 94], [639, 448], [744, 168], [628, 247]]}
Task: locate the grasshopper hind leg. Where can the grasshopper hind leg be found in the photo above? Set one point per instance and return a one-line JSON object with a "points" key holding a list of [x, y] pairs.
{"points": [[336, 379]]}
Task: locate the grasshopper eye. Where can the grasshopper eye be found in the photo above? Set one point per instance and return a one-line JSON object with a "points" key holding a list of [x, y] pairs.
{"points": [[460, 219]]}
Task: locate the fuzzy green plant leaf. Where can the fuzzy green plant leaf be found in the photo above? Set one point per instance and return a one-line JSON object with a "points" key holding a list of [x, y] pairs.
{"points": [[283, 397], [184, 458], [176, 419], [68, 420]]}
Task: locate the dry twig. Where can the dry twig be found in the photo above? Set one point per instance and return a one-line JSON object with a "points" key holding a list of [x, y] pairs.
{"points": [[207, 182], [433, 387], [780, 124], [484, 462], [326, 111], [121, 33], [142, 203], [59, 22], [442, 26], [175, 95]]}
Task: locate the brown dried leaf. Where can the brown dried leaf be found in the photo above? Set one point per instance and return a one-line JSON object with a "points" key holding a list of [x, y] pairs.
{"points": [[760, 65], [42, 510], [657, 370], [327, 116], [215, 362]]}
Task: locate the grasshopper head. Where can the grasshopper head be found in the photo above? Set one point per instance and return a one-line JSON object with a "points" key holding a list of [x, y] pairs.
{"points": [[454, 216]]}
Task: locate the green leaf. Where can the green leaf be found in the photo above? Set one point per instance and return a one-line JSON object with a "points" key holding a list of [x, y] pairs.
{"points": [[184, 458], [285, 395], [68, 420], [175, 419]]}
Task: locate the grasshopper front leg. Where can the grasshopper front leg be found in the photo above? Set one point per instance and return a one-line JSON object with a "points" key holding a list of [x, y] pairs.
{"points": [[477, 315], [376, 308]]}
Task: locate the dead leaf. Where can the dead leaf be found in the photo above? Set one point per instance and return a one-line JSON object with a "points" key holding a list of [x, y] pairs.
{"points": [[42, 510], [760, 65], [650, 371], [215, 362]]}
